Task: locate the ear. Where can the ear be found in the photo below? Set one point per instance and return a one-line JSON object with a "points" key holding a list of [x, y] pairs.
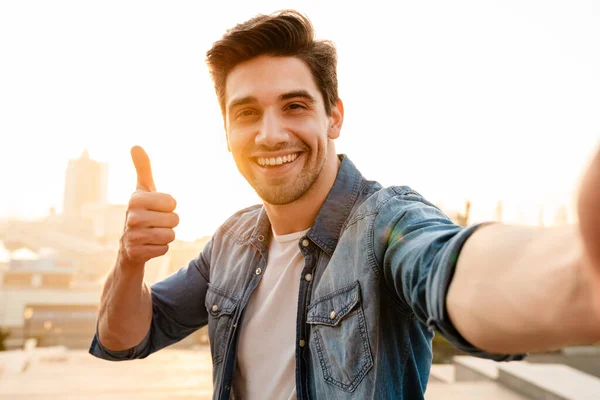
{"points": [[336, 120]]}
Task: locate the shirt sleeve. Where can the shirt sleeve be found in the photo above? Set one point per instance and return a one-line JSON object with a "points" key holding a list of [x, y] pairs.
{"points": [[177, 311], [418, 248]]}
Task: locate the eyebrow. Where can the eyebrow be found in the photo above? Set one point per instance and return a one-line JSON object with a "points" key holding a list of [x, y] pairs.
{"points": [[297, 93], [285, 96], [241, 102]]}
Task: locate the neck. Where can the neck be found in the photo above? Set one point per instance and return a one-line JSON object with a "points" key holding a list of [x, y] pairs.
{"points": [[301, 214]]}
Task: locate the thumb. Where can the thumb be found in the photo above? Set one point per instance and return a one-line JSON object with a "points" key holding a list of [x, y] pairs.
{"points": [[145, 181]]}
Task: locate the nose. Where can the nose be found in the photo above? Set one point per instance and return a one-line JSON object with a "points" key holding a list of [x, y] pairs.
{"points": [[271, 131]]}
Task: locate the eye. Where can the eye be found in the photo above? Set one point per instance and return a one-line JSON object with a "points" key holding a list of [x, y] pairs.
{"points": [[246, 113], [296, 107]]}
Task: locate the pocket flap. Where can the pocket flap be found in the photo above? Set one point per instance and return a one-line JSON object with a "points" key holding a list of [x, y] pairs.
{"points": [[219, 302], [331, 309]]}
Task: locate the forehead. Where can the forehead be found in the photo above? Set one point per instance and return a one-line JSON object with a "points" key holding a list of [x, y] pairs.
{"points": [[266, 77]]}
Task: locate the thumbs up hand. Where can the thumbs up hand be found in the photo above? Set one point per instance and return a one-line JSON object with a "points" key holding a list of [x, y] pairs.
{"points": [[150, 218]]}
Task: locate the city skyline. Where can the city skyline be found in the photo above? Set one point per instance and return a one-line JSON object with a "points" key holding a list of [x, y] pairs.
{"points": [[509, 113], [91, 174]]}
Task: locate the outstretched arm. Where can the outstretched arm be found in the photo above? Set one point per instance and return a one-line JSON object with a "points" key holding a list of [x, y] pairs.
{"points": [[524, 289]]}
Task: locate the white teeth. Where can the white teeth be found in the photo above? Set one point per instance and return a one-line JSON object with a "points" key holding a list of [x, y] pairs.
{"points": [[263, 161]]}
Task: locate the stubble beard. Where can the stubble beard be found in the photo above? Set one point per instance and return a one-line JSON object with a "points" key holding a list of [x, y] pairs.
{"points": [[291, 188]]}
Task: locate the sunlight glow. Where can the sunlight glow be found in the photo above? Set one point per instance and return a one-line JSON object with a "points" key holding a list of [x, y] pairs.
{"points": [[484, 101]]}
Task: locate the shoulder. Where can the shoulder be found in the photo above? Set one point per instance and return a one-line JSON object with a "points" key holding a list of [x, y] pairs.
{"points": [[404, 205], [400, 211], [391, 203], [241, 224]]}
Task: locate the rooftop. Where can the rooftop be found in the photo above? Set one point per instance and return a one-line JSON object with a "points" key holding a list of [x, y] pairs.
{"points": [[58, 373]]}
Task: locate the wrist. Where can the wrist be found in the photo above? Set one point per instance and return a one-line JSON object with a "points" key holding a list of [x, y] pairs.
{"points": [[127, 266]]}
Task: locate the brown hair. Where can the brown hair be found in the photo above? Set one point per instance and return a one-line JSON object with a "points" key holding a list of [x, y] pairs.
{"points": [[284, 33]]}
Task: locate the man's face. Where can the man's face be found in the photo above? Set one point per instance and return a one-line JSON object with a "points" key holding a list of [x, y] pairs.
{"points": [[277, 127]]}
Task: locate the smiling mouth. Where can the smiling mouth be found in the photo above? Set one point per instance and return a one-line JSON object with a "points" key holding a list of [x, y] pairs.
{"points": [[276, 161]]}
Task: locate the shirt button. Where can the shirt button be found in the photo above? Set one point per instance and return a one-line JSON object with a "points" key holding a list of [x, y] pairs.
{"points": [[305, 243], [258, 271], [261, 238], [302, 343], [308, 277], [332, 315], [215, 308]]}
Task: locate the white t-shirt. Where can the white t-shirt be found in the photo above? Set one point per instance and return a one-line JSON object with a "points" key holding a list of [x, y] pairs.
{"points": [[266, 360]]}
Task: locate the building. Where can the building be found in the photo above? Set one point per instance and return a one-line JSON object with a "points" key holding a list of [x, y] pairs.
{"points": [[27, 269], [53, 315], [56, 299], [107, 222], [33, 284], [86, 183]]}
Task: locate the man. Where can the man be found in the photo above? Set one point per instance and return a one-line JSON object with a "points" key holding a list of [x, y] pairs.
{"points": [[332, 288]]}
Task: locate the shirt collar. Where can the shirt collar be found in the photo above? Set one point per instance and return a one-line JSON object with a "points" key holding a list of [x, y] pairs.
{"points": [[332, 216]]}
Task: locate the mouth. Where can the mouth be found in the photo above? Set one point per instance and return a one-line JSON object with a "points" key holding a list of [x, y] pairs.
{"points": [[276, 161]]}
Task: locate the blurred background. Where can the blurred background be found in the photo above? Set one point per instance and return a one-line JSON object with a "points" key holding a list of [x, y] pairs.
{"points": [[487, 108]]}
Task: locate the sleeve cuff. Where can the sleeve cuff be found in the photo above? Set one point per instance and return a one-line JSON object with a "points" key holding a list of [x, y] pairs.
{"points": [[99, 351]]}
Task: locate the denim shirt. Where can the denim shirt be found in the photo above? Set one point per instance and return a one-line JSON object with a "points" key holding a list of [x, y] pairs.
{"points": [[377, 266]]}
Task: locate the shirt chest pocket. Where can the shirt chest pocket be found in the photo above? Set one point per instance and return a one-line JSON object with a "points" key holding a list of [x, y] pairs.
{"points": [[339, 338], [221, 308]]}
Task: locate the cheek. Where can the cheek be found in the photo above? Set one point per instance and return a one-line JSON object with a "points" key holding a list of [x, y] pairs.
{"points": [[322, 141], [237, 143], [314, 134]]}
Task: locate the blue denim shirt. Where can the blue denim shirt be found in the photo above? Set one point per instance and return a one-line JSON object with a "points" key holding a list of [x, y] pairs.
{"points": [[377, 266]]}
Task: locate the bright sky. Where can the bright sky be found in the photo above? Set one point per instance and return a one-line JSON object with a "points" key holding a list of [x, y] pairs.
{"points": [[483, 100]]}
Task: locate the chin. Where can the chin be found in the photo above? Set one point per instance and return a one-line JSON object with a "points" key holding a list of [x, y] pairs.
{"points": [[279, 197]]}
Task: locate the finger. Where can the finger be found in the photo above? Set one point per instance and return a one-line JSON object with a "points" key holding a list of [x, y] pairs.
{"points": [[146, 236], [146, 219], [154, 201], [141, 161], [142, 254]]}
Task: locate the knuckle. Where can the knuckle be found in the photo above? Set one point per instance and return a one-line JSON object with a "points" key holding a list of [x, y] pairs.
{"points": [[132, 253], [136, 237], [134, 200], [125, 239], [133, 219], [175, 219]]}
